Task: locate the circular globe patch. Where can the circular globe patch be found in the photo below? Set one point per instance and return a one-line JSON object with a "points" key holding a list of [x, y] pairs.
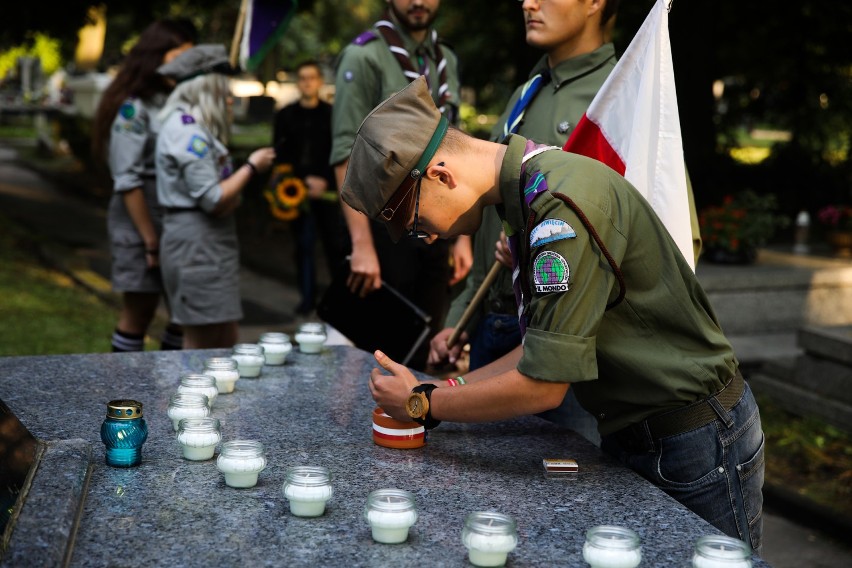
{"points": [[550, 272]]}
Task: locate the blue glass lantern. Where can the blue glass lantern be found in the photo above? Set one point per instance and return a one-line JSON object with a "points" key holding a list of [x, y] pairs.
{"points": [[123, 432]]}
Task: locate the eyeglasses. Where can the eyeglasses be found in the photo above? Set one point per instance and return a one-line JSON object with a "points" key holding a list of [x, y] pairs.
{"points": [[413, 233]]}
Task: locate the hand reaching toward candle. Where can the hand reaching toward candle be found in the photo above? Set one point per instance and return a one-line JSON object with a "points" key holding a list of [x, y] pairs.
{"points": [[391, 391], [502, 251]]}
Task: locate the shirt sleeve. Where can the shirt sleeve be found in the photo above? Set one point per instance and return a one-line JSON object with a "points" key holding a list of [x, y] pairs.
{"points": [[197, 163], [570, 283], [357, 85], [127, 145]]}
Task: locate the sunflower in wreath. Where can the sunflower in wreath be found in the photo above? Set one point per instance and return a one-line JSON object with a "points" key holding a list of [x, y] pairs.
{"points": [[285, 193]]}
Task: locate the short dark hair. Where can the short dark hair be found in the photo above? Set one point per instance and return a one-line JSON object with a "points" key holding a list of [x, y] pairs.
{"points": [[609, 10], [308, 63]]}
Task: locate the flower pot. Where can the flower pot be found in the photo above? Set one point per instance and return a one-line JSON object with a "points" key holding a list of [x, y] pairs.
{"points": [[841, 242]]}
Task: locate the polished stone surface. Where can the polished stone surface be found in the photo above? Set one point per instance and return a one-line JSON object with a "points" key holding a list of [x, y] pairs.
{"points": [[316, 410]]}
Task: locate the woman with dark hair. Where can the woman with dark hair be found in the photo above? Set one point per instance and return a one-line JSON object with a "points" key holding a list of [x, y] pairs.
{"points": [[124, 134]]}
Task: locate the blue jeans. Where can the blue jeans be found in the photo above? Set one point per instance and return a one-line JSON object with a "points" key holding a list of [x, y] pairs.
{"points": [[716, 470], [496, 335]]}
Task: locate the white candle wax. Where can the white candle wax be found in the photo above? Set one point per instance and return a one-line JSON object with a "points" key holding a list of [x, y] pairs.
{"points": [[307, 501], [248, 365], [391, 527], [199, 446], [276, 353], [489, 549], [176, 413], [225, 379], [611, 558], [310, 342], [702, 562], [240, 472]]}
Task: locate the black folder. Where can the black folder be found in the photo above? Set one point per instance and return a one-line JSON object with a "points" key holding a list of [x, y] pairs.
{"points": [[384, 319]]}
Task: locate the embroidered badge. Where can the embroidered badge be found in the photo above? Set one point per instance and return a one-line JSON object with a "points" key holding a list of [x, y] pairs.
{"points": [[187, 119], [563, 127], [550, 272], [127, 111], [198, 146], [348, 76], [551, 230], [536, 185]]}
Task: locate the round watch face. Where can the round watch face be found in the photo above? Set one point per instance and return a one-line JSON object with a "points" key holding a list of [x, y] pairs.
{"points": [[415, 405]]}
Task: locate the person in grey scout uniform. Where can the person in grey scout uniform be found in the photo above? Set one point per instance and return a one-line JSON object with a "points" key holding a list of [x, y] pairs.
{"points": [[401, 46], [125, 132], [609, 307], [577, 61], [199, 191]]}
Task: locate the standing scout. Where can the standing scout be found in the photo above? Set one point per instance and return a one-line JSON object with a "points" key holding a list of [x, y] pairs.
{"points": [[546, 108], [401, 47], [608, 306]]}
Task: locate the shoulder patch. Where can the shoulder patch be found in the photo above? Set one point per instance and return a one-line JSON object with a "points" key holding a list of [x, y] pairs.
{"points": [[550, 272], [551, 230], [187, 119], [537, 184], [127, 111], [198, 146], [365, 38]]}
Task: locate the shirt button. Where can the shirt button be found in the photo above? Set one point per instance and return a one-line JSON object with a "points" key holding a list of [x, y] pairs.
{"points": [[601, 415], [563, 127], [721, 470]]}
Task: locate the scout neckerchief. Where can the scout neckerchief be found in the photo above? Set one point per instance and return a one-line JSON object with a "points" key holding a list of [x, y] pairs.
{"points": [[535, 186], [528, 93], [397, 47]]}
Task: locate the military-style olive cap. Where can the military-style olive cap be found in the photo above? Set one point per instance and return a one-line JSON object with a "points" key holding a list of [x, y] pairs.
{"points": [[392, 149], [198, 60]]}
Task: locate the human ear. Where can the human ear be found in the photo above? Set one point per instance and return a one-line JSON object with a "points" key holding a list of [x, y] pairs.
{"points": [[441, 173]]}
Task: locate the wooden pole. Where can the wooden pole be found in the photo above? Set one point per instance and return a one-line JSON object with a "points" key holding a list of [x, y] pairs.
{"points": [[238, 32], [474, 303]]}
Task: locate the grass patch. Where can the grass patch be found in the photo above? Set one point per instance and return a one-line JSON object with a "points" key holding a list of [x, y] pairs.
{"points": [[808, 457]]}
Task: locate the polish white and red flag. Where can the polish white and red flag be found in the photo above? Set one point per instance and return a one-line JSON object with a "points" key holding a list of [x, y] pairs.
{"points": [[632, 126]]}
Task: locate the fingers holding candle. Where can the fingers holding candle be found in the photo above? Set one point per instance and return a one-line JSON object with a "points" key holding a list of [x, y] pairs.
{"points": [[391, 391]]}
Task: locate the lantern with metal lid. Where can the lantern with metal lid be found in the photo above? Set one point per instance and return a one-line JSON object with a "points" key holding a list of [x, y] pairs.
{"points": [[123, 432]]}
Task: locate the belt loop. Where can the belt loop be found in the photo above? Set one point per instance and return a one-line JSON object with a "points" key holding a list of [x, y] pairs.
{"points": [[724, 415]]}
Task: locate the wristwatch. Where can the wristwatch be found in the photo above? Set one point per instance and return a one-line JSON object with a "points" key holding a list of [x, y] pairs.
{"points": [[417, 405]]}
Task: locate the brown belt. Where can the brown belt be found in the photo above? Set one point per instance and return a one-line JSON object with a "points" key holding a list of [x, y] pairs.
{"points": [[683, 419]]}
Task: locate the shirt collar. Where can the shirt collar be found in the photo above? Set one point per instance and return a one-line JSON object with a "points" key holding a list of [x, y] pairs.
{"points": [[510, 174], [574, 66]]}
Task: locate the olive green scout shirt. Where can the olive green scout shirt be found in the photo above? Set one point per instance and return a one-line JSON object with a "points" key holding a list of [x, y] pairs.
{"points": [[548, 119], [660, 348], [369, 73]]}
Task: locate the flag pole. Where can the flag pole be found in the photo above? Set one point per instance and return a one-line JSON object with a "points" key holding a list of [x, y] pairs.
{"points": [[238, 32], [474, 303]]}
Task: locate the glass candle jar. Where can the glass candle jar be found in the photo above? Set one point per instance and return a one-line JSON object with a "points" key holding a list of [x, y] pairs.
{"points": [[240, 461], [123, 432], [199, 437], [307, 488], [391, 513], [489, 538], [392, 433], [717, 551], [612, 547], [249, 358], [276, 347], [200, 384], [224, 370], [311, 337], [187, 405]]}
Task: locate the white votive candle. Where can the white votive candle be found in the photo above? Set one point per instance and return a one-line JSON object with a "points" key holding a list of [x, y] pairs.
{"points": [[717, 551], [311, 337], [240, 461], [276, 347], [224, 370], [609, 546], [201, 384], [307, 488], [489, 537], [199, 437], [187, 405], [391, 513], [249, 358]]}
